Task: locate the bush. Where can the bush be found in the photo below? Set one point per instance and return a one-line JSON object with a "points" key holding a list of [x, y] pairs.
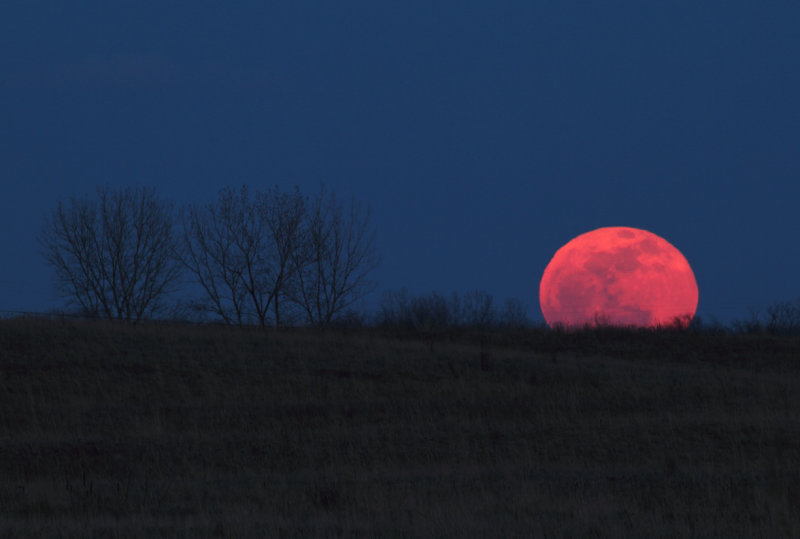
{"points": [[435, 311]]}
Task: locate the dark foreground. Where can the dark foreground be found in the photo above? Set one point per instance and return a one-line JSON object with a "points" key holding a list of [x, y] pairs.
{"points": [[117, 431]]}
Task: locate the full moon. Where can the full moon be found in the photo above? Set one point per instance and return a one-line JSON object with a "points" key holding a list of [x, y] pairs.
{"points": [[618, 276]]}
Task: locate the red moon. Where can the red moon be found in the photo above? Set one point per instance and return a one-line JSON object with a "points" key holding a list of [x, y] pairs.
{"points": [[618, 276]]}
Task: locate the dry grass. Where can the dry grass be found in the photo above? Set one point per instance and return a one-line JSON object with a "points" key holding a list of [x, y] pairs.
{"points": [[177, 431]]}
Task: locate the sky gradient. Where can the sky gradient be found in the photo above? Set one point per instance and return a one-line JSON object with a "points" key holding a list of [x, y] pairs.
{"points": [[484, 135]]}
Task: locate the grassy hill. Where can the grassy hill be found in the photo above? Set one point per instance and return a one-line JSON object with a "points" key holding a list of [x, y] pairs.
{"points": [[111, 430]]}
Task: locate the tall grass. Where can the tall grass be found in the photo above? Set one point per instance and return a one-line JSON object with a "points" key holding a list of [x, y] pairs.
{"points": [[111, 430]]}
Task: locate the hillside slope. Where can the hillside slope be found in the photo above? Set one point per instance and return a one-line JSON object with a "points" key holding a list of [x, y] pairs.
{"points": [[111, 430]]}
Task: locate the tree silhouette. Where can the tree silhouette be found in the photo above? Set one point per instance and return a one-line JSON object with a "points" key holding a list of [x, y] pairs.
{"points": [[114, 256], [334, 259], [239, 249]]}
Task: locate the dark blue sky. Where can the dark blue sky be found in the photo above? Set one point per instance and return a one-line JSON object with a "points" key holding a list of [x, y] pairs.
{"points": [[484, 135]]}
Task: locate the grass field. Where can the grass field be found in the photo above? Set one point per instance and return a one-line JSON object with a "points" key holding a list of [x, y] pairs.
{"points": [[111, 430]]}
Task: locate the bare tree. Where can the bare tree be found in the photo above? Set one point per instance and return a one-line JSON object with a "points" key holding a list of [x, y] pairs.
{"points": [[113, 257], [476, 309], [784, 318], [514, 314], [395, 309], [284, 214], [335, 259], [209, 251], [239, 251]]}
